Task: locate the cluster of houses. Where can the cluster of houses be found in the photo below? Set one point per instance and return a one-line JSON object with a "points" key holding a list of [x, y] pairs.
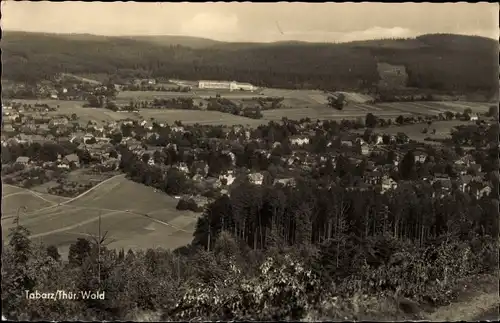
{"points": [[63, 89], [96, 139], [68, 161]]}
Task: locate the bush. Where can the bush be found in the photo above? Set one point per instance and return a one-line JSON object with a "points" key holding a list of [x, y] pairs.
{"points": [[281, 290], [183, 205]]}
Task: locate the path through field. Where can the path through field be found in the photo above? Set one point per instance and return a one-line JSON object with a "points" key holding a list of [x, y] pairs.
{"points": [[66, 201], [149, 219], [28, 192]]}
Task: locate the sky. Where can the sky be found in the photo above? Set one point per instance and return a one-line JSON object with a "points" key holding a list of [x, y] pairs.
{"points": [[254, 22]]}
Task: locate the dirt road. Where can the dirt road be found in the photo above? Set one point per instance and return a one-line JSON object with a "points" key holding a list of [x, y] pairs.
{"points": [[481, 308], [491, 315]]}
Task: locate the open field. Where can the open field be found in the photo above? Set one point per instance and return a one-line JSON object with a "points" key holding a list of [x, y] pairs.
{"points": [[414, 131], [113, 195], [167, 116], [477, 107], [429, 108], [415, 108], [13, 197], [325, 113], [201, 117], [81, 176], [64, 106], [76, 107], [9, 189], [299, 98], [305, 103], [356, 97], [146, 220], [11, 202], [126, 96]]}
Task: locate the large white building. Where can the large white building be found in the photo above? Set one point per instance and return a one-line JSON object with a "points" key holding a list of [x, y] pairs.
{"points": [[226, 85]]}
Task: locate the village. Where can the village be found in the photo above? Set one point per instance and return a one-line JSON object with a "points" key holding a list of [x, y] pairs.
{"points": [[250, 162], [198, 154]]}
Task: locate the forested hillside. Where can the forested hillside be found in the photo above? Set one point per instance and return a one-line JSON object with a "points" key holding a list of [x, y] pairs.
{"points": [[439, 62]]}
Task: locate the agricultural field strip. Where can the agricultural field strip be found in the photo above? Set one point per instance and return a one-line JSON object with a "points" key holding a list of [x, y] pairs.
{"points": [[10, 189], [68, 201], [302, 113], [463, 105], [47, 216], [318, 98], [191, 117], [431, 108], [24, 193], [112, 211], [22, 202], [367, 107], [97, 195], [70, 227], [28, 191], [409, 108]]}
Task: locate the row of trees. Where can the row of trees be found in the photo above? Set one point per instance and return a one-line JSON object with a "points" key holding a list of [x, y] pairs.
{"points": [[227, 106], [174, 104], [146, 87]]}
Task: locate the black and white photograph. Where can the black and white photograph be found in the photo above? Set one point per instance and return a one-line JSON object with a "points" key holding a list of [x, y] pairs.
{"points": [[245, 161]]}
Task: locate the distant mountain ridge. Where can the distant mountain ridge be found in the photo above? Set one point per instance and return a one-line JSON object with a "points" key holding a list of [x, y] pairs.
{"points": [[200, 42], [168, 40], [437, 61]]}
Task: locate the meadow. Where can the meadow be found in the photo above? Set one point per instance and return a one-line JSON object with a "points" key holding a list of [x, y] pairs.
{"points": [[195, 116], [126, 96], [14, 197], [148, 219], [303, 103], [167, 116], [11, 202], [414, 131], [84, 114], [80, 176], [352, 111], [429, 107]]}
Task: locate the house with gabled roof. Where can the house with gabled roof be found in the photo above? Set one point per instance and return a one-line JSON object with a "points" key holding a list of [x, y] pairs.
{"points": [[256, 178], [23, 160], [71, 158], [299, 140], [285, 181]]}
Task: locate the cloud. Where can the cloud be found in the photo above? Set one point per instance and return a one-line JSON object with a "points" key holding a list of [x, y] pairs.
{"points": [[211, 25], [367, 34], [377, 33], [360, 35], [490, 33]]}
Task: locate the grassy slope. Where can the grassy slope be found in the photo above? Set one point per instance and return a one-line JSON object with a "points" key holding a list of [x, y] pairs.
{"points": [[13, 197], [62, 225]]}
